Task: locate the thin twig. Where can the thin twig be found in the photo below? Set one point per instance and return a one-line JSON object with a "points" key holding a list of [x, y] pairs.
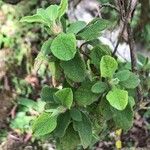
{"points": [[82, 51], [132, 49], [110, 6], [119, 39], [124, 15]]}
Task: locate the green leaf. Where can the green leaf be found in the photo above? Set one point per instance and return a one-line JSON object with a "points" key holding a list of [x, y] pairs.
{"points": [[123, 119], [65, 97], [99, 87], [21, 121], [141, 58], [76, 114], [118, 98], [44, 124], [46, 16], [42, 12], [108, 66], [84, 96], [55, 69], [46, 47], [131, 101], [104, 109], [132, 82], [75, 69], [98, 52], [34, 18], [52, 12], [84, 129], [76, 27], [122, 75], [63, 122], [70, 140], [93, 29], [63, 8], [55, 109], [47, 93], [64, 46], [50, 107], [28, 103]]}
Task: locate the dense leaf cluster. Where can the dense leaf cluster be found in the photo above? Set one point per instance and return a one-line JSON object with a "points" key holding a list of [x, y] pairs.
{"points": [[94, 88]]}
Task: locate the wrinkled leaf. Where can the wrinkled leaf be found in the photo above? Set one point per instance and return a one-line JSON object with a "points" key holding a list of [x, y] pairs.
{"points": [[70, 140], [76, 114], [28, 103], [65, 97], [84, 129], [108, 66], [123, 119], [46, 47], [103, 109], [64, 46], [44, 124], [47, 93], [34, 18], [98, 52], [84, 96], [118, 98], [132, 82], [122, 75], [52, 12], [75, 69], [76, 27], [93, 29], [63, 122], [99, 87]]}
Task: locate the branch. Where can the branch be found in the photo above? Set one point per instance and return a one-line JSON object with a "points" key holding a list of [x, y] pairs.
{"points": [[119, 39], [110, 6], [82, 51], [134, 59], [133, 51]]}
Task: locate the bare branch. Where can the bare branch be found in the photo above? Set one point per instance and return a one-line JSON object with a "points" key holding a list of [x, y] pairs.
{"points": [[110, 6]]}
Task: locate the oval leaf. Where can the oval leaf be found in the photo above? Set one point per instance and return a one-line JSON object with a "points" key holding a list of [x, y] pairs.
{"points": [[76, 114], [99, 87], [63, 122], [64, 46], [84, 129], [108, 66], [132, 82], [93, 29], [122, 75], [76, 27], [44, 124], [65, 97], [52, 12], [118, 98], [75, 69], [84, 96], [34, 18]]}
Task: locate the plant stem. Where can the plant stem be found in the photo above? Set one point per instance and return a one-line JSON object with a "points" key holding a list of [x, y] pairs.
{"points": [[133, 59]]}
